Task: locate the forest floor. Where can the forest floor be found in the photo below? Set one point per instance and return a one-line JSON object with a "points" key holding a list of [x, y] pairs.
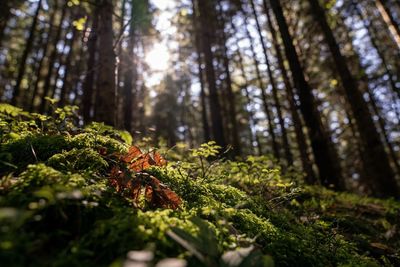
{"points": [[73, 196]]}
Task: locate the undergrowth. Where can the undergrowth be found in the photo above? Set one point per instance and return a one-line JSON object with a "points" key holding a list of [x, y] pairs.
{"points": [[73, 196]]}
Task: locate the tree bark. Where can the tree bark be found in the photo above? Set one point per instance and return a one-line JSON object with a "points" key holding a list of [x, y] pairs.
{"points": [[203, 99], [129, 76], [25, 54], [380, 175], [121, 65], [275, 146], [61, 62], [237, 150], [205, 9], [327, 163], [52, 60], [285, 139], [88, 83], [38, 73], [106, 88], [248, 99], [382, 126], [301, 138], [66, 83]]}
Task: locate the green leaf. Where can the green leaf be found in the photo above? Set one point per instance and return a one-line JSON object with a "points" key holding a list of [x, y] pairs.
{"points": [[126, 136], [10, 110], [51, 100]]}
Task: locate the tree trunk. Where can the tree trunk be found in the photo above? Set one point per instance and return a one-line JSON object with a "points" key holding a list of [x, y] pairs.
{"points": [[91, 69], [61, 61], [380, 175], [22, 62], [106, 87], [205, 9], [382, 126], [52, 60], [237, 150], [301, 140], [66, 83], [120, 65], [39, 69], [246, 90], [203, 100], [267, 110], [328, 165], [285, 139], [129, 76]]}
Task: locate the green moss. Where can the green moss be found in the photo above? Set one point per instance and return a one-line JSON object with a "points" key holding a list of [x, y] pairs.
{"points": [[31, 149], [57, 206], [95, 141], [84, 159]]}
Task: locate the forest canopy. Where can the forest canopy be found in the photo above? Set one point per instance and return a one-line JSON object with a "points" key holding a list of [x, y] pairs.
{"points": [[212, 132]]}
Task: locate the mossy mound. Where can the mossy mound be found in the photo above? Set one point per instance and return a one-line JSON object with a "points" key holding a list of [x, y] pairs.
{"points": [[58, 207]]}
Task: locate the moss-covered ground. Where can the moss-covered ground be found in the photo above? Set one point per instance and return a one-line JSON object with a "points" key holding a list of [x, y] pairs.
{"points": [[59, 207]]}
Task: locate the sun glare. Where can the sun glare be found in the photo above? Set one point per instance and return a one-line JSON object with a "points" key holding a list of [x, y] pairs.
{"points": [[158, 57]]}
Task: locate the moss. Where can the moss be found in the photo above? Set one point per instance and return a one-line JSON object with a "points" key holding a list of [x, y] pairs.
{"points": [[31, 149], [85, 160], [95, 141], [57, 206]]}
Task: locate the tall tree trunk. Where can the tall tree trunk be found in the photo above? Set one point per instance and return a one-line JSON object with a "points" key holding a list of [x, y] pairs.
{"points": [[52, 60], [389, 20], [358, 164], [61, 62], [382, 126], [88, 83], [120, 65], [205, 9], [248, 99], [80, 60], [39, 69], [237, 150], [252, 123], [301, 138], [27, 93], [27, 50], [380, 175], [285, 139], [129, 75], [106, 87], [328, 165], [203, 100], [68, 62], [267, 110]]}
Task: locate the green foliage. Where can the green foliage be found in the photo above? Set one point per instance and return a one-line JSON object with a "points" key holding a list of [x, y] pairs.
{"points": [[210, 149], [58, 207]]}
